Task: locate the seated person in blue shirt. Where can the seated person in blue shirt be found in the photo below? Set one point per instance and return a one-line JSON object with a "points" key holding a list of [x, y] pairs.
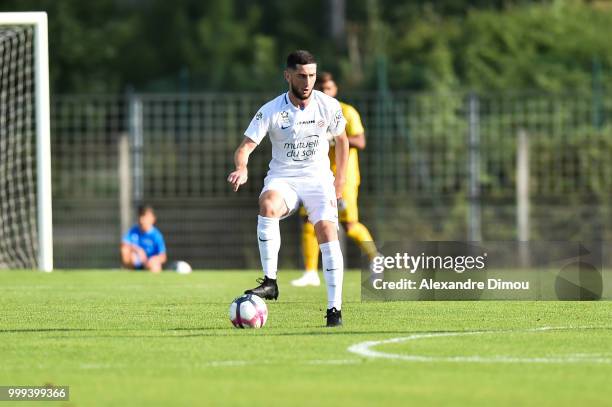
{"points": [[143, 246]]}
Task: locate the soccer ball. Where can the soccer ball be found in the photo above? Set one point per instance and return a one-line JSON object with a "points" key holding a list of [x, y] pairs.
{"points": [[182, 267], [248, 311]]}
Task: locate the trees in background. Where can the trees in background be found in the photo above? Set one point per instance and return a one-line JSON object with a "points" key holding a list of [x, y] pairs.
{"points": [[240, 45]]}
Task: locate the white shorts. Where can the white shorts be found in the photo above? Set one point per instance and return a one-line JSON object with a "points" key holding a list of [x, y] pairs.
{"points": [[318, 196]]}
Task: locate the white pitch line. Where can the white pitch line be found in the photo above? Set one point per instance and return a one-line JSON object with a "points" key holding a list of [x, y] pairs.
{"points": [[365, 349]]}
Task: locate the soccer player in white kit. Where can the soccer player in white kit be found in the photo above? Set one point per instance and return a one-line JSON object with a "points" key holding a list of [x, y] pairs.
{"points": [[299, 123]]}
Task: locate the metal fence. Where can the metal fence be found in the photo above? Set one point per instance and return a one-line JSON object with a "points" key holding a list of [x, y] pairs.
{"points": [[436, 167]]}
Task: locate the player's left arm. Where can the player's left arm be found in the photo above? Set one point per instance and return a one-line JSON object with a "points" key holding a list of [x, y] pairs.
{"points": [[342, 154], [338, 129]]}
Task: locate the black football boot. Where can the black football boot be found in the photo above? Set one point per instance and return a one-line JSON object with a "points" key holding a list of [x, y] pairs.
{"points": [[266, 289], [334, 317]]}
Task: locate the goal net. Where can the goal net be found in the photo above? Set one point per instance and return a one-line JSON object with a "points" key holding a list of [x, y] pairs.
{"points": [[25, 201]]}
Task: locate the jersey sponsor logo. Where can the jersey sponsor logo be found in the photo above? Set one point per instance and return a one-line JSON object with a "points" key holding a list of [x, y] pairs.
{"points": [[305, 122], [303, 149], [300, 123], [321, 123]]}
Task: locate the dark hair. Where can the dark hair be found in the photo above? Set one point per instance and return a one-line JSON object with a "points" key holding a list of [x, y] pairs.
{"points": [[323, 77], [300, 57], [142, 209]]}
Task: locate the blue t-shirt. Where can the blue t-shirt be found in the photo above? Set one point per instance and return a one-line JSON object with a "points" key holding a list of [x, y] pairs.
{"points": [[152, 242]]}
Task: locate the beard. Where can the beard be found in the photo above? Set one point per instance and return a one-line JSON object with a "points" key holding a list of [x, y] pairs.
{"points": [[298, 94]]}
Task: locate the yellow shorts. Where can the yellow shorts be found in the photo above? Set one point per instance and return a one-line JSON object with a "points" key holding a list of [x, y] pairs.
{"points": [[351, 212]]}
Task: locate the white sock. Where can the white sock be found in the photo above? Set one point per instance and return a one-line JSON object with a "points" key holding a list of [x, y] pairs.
{"points": [[333, 270], [269, 239]]}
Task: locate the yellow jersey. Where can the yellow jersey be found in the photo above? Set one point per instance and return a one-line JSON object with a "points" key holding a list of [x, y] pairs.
{"points": [[354, 127]]}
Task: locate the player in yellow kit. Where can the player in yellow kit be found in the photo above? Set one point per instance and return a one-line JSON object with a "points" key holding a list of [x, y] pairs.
{"points": [[347, 207]]}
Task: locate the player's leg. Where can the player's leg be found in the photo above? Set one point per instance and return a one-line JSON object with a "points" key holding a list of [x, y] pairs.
{"points": [[355, 230], [276, 201], [271, 208], [310, 246], [126, 256], [310, 253], [333, 268], [320, 202]]}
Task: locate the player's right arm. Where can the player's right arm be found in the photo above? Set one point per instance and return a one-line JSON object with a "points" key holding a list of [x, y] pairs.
{"points": [[241, 158], [253, 135]]}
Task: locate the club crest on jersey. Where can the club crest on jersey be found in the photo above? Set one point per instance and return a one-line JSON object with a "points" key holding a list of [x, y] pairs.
{"points": [[284, 120], [258, 116]]}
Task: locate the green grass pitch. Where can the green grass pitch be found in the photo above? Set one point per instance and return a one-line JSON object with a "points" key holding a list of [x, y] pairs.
{"points": [[136, 339]]}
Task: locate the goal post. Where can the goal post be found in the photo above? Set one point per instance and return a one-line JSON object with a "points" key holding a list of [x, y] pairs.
{"points": [[24, 102]]}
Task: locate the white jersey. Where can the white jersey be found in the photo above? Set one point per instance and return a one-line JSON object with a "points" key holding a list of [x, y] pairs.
{"points": [[299, 137]]}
